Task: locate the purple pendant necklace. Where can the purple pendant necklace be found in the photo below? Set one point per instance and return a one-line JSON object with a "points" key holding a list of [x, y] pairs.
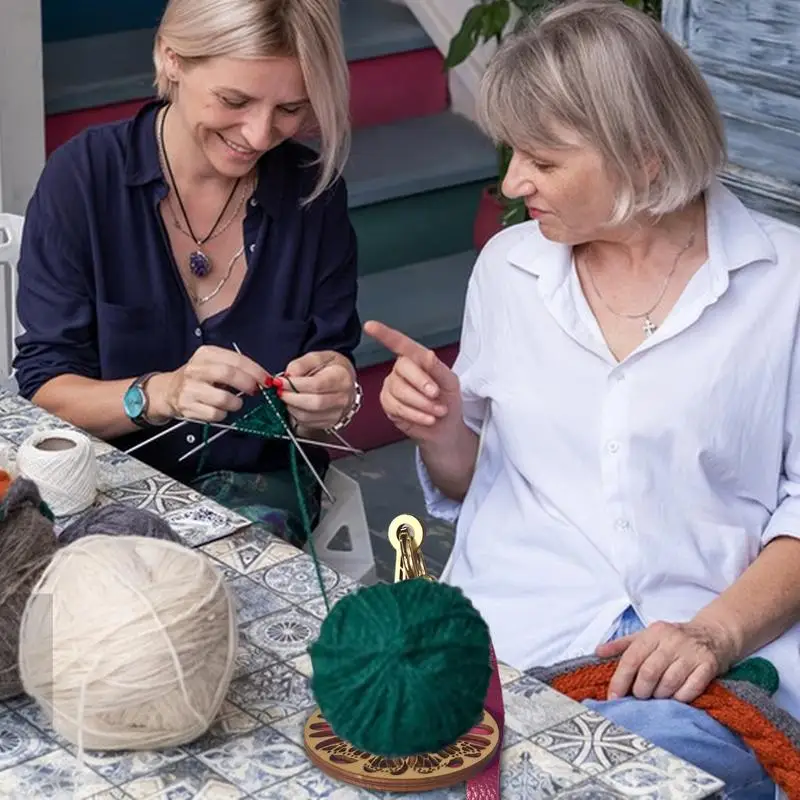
{"points": [[199, 262]]}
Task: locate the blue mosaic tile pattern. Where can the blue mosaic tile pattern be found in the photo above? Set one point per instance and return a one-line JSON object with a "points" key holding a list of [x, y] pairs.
{"points": [[553, 748]]}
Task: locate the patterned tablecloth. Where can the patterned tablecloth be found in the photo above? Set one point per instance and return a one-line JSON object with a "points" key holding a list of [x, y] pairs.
{"points": [[553, 748]]}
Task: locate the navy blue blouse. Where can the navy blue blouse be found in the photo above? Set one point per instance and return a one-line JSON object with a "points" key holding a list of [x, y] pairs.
{"points": [[100, 294]]}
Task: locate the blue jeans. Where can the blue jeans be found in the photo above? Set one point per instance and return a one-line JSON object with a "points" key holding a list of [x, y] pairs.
{"points": [[689, 733]]}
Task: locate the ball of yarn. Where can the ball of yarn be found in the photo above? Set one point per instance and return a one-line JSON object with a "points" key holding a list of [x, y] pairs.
{"points": [[116, 519], [27, 543], [62, 463], [402, 668], [129, 643]]}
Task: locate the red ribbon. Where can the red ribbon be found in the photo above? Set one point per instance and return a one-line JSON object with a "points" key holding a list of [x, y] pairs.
{"points": [[486, 785]]}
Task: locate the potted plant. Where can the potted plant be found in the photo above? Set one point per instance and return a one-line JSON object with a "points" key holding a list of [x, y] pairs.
{"points": [[487, 21]]}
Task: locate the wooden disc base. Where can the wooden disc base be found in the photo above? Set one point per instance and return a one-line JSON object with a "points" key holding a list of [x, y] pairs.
{"points": [[453, 764]]}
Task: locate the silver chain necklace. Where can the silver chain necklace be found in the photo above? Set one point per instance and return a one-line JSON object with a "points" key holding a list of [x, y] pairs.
{"points": [[198, 300], [648, 325]]}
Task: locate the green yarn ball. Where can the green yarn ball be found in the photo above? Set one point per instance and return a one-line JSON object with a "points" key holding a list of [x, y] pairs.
{"points": [[758, 671], [402, 668]]}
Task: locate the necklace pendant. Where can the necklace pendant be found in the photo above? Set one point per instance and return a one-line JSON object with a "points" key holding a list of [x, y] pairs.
{"points": [[199, 264], [649, 326]]}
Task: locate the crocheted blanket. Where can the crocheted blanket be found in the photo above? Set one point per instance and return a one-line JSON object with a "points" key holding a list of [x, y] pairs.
{"points": [[741, 700]]}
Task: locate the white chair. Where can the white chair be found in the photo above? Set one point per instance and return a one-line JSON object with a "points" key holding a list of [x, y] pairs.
{"points": [[345, 519], [10, 235]]}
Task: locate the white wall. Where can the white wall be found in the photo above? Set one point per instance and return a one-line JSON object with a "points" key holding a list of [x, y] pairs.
{"points": [[21, 102], [441, 19]]}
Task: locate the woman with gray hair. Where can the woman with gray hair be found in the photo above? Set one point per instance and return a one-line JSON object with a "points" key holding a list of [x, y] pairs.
{"points": [[173, 263], [618, 438]]}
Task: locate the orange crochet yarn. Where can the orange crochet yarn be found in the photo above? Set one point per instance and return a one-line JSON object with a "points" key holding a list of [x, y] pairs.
{"points": [[5, 482], [774, 750]]}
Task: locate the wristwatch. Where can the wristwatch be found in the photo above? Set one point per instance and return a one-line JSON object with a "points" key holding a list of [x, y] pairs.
{"points": [[135, 401]]}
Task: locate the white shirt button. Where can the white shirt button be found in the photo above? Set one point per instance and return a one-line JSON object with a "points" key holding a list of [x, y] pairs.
{"points": [[253, 202], [623, 525], [612, 447], [252, 248], [190, 438], [198, 332]]}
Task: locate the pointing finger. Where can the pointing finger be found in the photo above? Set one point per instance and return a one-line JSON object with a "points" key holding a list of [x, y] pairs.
{"points": [[404, 346], [394, 340]]}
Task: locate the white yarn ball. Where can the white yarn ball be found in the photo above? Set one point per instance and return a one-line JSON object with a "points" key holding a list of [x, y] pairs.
{"points": [[63, 466], [129, 643]]}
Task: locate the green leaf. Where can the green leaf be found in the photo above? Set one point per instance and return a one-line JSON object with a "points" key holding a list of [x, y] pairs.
{"points": [[465, 41], [500, 13]]}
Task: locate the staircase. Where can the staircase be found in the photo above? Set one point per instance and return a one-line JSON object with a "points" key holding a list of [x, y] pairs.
{"points": [[415, 174]]}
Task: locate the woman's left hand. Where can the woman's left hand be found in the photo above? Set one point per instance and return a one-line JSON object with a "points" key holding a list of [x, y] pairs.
{"points": [[319, 388], [669, 660]]}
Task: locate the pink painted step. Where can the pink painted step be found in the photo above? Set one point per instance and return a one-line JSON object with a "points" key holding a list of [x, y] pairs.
{"points": [[383, 90]]}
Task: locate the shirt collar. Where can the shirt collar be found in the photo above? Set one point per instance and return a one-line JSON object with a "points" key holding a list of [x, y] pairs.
{"points": [[735, 239], [143, 165]]}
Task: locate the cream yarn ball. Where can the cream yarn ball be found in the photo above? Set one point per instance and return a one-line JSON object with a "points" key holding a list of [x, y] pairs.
{"points": [[129, 643]]}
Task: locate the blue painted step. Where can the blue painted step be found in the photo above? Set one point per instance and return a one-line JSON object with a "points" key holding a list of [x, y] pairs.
{"points": [[101, 53], [424, 300], [417, 155]]}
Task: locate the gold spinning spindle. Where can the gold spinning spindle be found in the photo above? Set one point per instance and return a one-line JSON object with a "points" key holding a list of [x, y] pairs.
{"points": [[405, 535]]}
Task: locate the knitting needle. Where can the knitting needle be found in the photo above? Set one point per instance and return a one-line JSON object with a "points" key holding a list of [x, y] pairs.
{"points": [[293, 438], [328, 445], [155, 437], [163, 433], [202, 445], [354, 450], [347, 446]]}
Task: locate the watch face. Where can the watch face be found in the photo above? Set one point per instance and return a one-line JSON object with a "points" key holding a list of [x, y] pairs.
{"points": [[134, 402]]}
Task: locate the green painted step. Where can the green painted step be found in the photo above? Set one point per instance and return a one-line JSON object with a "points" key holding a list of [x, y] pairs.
{"points": [[89, 71], [424, 300], [414, 188], [416, 228]]}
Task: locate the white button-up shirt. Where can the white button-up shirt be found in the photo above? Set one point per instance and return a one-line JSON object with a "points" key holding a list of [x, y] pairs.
{"points": [[652, 482]]}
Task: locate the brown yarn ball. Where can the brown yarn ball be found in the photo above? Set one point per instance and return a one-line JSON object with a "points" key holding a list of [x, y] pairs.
{"points": [[27, 544]]}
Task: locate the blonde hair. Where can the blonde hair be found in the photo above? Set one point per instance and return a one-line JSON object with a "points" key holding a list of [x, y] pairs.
{"points": [[612, 75], [309, 30]]}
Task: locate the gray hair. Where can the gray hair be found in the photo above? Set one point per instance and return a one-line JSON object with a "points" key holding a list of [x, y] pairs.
{"points": [[613, 76], [309, 30]]}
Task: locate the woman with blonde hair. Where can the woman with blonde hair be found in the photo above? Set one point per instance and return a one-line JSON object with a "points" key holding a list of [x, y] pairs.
{"points": [[173, 262], [618, 438]]}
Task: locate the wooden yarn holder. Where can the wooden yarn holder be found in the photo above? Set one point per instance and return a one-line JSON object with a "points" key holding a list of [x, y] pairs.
{"points": [[469, 755]]}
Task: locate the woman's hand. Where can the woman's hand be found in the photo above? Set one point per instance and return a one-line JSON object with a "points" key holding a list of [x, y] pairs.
{"points": [[421, 395], [669, 660], [319, 389], [206, 387]]}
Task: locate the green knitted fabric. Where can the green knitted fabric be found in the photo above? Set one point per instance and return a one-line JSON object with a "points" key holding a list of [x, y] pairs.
{"points": [[757, 671], [402, 668], [271, 420]]}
